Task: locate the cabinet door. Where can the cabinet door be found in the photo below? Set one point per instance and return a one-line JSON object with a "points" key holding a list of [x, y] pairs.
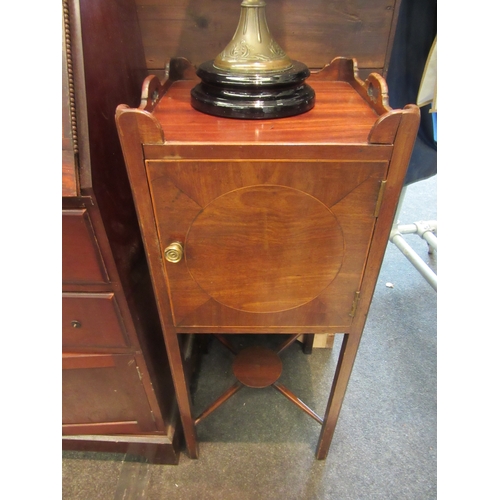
{"points": [[266, 243], [103, 394]]}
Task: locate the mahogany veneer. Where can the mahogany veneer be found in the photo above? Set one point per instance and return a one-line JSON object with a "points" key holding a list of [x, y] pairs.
{"points": [[117, 392], [283, 223], [257, 367]]}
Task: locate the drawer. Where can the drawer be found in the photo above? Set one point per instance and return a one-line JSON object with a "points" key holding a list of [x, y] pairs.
{"points": [[104, 394], [92, 320], [81, 258]]}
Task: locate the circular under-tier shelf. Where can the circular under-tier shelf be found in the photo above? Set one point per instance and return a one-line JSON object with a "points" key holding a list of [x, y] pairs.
{"points": [[257, 367]]}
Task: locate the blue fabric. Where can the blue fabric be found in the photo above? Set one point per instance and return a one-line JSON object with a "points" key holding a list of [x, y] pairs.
{"points": [[415, 33]]}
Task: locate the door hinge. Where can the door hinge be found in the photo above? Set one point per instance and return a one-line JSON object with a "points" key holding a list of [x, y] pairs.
{"points": [[139, 373], [354, 304], [380, 197]]}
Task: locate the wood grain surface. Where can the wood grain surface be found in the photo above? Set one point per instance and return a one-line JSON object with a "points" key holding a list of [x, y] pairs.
{"points": [[265, 237], [334, 176], [312, 32], [337, 103]]}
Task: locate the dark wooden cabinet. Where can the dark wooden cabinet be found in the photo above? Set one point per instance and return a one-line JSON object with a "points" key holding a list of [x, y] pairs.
{"points": [[117, 392]]}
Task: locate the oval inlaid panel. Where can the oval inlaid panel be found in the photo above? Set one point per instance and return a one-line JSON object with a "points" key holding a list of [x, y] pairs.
{"points": [[264, 249]]}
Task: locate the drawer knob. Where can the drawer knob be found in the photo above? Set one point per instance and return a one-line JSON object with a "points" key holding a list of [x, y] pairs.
{"points": [[174, 252], [76, 324]]}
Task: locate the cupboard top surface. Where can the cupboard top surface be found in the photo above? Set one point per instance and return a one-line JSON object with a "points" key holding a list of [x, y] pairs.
{"points": [[340, 115]]}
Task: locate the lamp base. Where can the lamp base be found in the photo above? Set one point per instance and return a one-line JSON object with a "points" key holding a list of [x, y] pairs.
{"points": [[252, 96]]}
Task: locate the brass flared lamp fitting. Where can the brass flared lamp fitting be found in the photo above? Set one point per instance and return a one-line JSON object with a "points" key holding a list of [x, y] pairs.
{"points": [[252, 48], [252, 78]]}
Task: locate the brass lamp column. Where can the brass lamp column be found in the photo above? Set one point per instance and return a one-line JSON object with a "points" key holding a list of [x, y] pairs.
{"points": [[253, 49], [252, 77]]}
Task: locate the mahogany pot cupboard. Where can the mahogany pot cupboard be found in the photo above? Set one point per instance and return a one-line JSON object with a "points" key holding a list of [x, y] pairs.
{"points": [[266, 226], [118, 389]]}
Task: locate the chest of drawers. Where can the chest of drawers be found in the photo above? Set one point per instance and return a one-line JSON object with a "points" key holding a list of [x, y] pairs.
{"points": [[117, 392]]}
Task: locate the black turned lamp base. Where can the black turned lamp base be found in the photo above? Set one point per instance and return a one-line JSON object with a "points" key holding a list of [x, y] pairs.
{"points": [[253, 96]]}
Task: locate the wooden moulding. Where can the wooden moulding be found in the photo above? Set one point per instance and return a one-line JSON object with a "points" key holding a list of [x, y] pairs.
{"points": [[384, 129], [153, 89], [147, 125], [373, 90], [269, 151], [156, 449]]}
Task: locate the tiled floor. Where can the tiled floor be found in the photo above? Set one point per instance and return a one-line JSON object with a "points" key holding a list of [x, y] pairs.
{"points": [[260, 446]]}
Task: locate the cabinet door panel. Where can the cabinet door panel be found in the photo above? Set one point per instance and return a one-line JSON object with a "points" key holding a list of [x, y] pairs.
{"points": [[92, 320], [269, 243], [104, 393]]}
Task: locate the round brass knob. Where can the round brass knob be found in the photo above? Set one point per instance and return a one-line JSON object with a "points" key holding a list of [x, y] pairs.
{"points": [[174, 252]]}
